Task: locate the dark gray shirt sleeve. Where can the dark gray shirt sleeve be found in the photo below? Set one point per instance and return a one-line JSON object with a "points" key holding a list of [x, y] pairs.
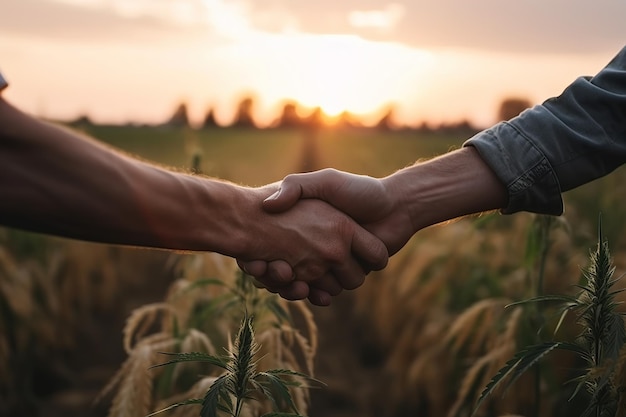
{"points": [[565, 142]]}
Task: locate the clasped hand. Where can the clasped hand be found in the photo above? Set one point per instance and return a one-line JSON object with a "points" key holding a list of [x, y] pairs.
{"points": [[370, 202]]}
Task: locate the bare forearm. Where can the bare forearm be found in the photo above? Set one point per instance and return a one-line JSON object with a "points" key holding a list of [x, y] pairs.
{"points": [[453, 185], [52, 180]]}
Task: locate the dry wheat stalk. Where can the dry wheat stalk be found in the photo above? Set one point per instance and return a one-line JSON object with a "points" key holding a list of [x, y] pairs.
{"points": [[285, 347], [135, 379], [140, 320]]}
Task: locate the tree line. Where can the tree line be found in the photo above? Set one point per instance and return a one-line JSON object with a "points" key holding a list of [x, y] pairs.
{"points": [[291, 117]]}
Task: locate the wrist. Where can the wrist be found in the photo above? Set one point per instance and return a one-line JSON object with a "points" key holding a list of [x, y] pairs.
{"points": [[199, 214], [407, 190], [452, 185], [243, 223]]}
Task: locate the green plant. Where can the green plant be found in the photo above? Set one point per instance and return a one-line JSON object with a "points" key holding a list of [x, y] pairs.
{"points": [[599, 344], [200, 312], [241, 380]]}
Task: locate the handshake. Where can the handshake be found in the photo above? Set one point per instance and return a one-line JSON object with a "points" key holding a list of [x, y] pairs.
{"points": [[311, 236], [326, 230]]}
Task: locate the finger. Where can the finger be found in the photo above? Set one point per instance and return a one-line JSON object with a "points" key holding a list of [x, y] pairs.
{"points": [[279, 272], [319, 297], [275, 274], [369, 250], [328, 284], [349, 274], [297, 290], [254, 268]]}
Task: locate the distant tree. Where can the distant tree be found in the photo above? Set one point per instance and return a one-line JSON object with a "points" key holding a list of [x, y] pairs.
{"points": [[511, 107], [244, 118], [424, 127], [347, 120], [289, 116], [386, 122], [82, 120], [315, 120], [209, 120], [463, 128], [180, 118]]}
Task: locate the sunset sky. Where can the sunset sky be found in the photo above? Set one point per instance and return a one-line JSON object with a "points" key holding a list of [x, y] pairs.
{"points": [[435, 60]]}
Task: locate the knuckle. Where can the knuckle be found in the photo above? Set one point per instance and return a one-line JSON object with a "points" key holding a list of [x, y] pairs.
{"points": [[290, 178]]}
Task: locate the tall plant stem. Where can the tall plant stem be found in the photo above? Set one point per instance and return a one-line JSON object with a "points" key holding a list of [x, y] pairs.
{"points": [[545, 223], [238, 407]]}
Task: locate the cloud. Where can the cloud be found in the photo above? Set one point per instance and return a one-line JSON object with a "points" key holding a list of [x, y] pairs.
{"points": [[86, 23], [554, 26], [136, 21], [537, 26], [385, 19]]}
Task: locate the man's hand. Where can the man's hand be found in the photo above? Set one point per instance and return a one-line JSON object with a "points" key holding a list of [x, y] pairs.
{"points": [[316, 243], [372, 202], [367, 200]]}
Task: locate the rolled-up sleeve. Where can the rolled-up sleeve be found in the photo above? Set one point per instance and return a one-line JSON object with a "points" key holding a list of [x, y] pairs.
{"points": [[567, 141], [3, 82]]}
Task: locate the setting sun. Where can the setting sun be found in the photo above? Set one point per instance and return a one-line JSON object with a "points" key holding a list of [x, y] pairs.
{"points": [[338, 76], [338, 72]]}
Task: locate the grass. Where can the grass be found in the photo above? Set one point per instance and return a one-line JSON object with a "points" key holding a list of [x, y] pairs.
{"points": [[256, 157]]}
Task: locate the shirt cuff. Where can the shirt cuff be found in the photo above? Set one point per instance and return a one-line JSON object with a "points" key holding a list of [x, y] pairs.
{"points": [[522, 167]]}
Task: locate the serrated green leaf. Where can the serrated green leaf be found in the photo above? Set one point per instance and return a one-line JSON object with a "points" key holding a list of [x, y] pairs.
{"points": [[176, 405], [561, 298], [217, 391], [279, 387], [192, 357], [561, 320], [279, 372], [615, 337], [520, 363], [266, 392]]}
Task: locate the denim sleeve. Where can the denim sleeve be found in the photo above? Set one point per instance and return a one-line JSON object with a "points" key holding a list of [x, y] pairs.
{"points": [[567, 141]]}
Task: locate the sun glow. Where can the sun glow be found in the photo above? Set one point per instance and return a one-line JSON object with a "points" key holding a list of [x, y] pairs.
{"points": [[341, 73]]}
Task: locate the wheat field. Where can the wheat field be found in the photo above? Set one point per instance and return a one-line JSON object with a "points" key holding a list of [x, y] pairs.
{"points": [[82, 322]]}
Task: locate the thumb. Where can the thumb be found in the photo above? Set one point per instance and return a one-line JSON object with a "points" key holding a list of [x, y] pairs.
{"points": [[287, 196], [317, 184]]}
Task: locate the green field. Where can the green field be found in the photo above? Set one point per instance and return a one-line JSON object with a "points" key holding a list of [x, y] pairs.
{"points": [[257, 157]]}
